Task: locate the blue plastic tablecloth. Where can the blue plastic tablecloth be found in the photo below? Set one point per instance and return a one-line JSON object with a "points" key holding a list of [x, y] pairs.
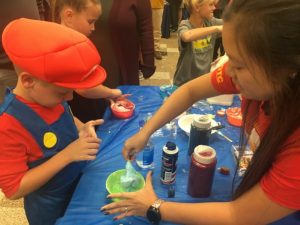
{"points": [[90, 194]]}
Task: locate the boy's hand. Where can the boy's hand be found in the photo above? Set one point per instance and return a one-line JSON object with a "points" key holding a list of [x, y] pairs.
{"points": [[116, 93], [220, 28], [88, 129], [84, 148]]}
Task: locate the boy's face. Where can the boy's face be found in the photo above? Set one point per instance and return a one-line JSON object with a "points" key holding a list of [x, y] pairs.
{"points": [[48, 95], [84, 21], [206, 9]]}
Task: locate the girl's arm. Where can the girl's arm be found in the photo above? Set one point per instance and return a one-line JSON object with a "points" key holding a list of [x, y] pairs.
{"points": [[176, 104], [253, 207], [179, 101]]}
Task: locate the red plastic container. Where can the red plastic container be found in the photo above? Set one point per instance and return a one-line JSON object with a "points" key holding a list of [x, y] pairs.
{"points": [[122, 108], [202, 170], [234, 116]]}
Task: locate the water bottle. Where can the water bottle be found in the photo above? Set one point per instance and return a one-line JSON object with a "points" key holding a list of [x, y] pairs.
{"points": [[169, 131], [169, 163], [202, 170], [199, 133], [144, 159]]}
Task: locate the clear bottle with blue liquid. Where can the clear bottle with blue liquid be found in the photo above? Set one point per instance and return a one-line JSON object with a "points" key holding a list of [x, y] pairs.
{"points": [[144, 159]]}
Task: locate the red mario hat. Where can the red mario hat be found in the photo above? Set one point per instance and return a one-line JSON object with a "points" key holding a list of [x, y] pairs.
{"points": [[53, 53]]}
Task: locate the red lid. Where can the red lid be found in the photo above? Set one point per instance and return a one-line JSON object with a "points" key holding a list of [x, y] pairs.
{"points": [[234, 116]]}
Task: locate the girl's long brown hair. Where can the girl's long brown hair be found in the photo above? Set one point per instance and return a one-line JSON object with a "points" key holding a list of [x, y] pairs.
{"points": [[269, 32]]}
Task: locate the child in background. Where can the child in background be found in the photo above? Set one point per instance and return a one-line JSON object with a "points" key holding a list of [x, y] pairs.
{"points": [[81, 15], [196, 39], [43, 148], [261, 39]]}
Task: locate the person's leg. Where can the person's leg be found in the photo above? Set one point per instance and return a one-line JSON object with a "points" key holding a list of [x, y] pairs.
{"points": [[173, 15], [217, 46], [180, 11], [156, 21]]}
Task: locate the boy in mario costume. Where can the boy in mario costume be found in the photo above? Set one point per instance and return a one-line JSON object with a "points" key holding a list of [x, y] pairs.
{"points": [[43, 148]]}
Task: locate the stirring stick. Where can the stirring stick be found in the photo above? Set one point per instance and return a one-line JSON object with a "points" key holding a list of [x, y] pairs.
{"points": [[224, 136]]}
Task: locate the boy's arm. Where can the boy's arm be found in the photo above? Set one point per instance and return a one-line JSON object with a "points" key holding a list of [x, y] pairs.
{"points": [[84, 148], [99, 91], [197, 33]]}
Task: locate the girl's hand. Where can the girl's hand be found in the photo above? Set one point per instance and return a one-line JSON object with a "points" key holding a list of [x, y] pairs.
{"points": [[132, 203], [133, 145]]}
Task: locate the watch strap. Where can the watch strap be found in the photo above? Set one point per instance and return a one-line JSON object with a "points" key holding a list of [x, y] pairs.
{"points": [[153, 213]]}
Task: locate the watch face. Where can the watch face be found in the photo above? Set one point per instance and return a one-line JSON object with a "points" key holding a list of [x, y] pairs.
{"points": [[153, 215]]}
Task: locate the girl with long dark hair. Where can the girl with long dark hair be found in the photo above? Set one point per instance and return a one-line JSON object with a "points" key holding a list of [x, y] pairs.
{"points": [[261, 39]]}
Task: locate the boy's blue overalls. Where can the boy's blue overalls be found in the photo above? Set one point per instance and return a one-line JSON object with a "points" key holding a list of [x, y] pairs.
{"points": [[49, 202]]}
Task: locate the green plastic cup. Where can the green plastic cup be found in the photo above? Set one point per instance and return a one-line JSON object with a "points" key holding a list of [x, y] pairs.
{"points": [[113, 183]]}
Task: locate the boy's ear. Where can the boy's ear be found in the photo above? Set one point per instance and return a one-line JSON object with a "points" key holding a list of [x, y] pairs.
{"points": [[197, 7], [27, 80], [67, 16]]}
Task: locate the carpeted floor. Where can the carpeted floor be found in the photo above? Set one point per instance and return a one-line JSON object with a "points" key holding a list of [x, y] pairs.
{"points": [[12, 212]]}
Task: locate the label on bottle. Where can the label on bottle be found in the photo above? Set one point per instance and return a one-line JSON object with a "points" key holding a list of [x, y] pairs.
{"points": [[169, 163], [145, 158], [198, 136], [148, 154]]}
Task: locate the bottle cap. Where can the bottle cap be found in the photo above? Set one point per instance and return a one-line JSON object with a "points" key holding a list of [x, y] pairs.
{"points": [[170, 148], [141, 123], [171, 191], [204, 154], [170, 145], [202, 121]]}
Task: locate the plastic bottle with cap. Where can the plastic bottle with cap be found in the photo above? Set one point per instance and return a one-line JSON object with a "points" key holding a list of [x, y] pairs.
{"points": [[202, 170], [169, 163], [199, 133], [144, 159]]}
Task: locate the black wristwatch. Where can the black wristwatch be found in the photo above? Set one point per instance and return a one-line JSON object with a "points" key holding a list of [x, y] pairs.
{"points": [[153, 213]]}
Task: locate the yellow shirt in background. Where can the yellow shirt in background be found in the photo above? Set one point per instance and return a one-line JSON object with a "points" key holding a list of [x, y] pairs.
{"points": [[157, 4]]}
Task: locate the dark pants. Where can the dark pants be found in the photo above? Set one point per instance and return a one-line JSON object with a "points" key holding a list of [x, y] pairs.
{"points": [[174, 6], [218, 43]]}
